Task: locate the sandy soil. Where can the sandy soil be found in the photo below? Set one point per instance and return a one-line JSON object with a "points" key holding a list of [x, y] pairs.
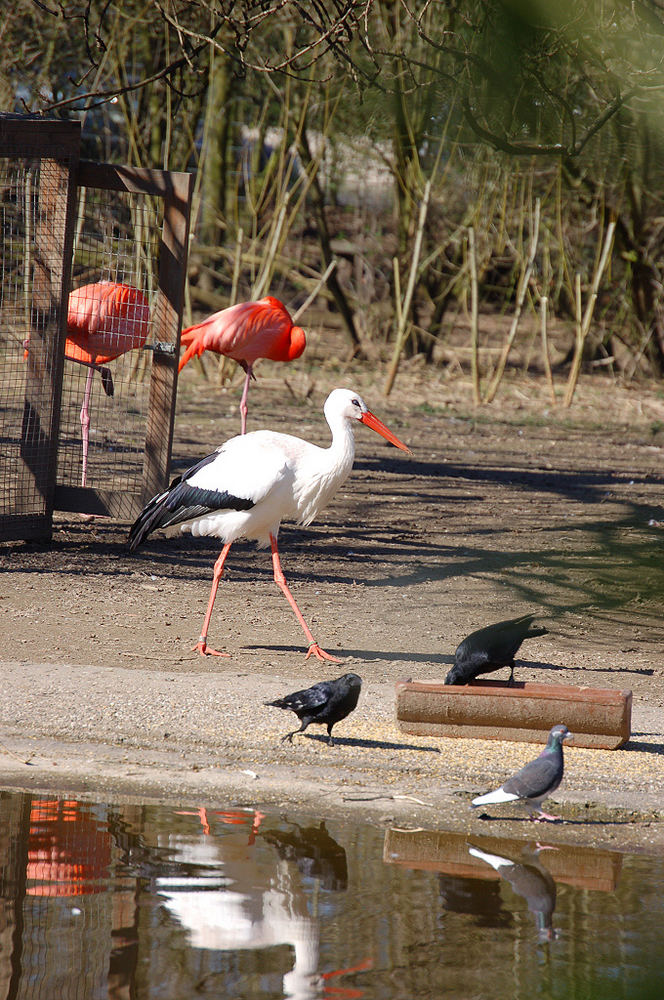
{"points": [[500, 510]]}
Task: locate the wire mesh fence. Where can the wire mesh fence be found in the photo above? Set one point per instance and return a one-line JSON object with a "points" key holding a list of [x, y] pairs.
{"points": [[20, 181], [93, 263], [115, 281], [123, 326], [37, 171]]}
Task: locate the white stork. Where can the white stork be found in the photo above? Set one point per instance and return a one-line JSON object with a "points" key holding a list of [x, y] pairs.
{"points": [[252, 482]]}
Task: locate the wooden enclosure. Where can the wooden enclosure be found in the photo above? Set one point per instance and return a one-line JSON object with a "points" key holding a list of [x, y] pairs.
{"points": [[38, 164], [68, 224]]}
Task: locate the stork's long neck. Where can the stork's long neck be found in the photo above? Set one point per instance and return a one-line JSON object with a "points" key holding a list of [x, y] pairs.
{"points": [[341, 453], [326, 470]]}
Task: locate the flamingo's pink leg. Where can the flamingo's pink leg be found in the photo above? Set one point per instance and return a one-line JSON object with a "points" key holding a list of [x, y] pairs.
{"points": [[85, 422], [243, 401]]}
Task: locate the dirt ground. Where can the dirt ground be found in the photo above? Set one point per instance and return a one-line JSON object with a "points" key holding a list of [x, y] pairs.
{"points": [[500, 510]]}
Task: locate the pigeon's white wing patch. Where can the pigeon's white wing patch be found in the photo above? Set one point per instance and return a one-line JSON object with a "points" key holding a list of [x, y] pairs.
{"points": [[500, 795]]}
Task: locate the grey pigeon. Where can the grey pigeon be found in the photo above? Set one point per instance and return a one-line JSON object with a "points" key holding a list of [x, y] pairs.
{"points": [[491, 648], [325, 703], [529, 879], [537, 780]]}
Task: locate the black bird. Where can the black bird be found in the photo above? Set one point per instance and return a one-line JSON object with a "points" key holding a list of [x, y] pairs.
{"points": [[491, 648], [325, 703], [537, 779], [480, 900]]}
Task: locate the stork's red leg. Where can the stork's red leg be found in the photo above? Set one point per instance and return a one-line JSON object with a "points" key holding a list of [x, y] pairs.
{"points": [[202, 645], [280, 580], [243, 402], [201, 812]]}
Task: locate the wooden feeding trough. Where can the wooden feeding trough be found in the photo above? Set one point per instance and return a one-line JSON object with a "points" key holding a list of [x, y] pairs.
{"points": [[525, 712]]}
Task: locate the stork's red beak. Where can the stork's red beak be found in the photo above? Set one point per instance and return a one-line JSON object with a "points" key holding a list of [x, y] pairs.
{"points": [[377, 425]]}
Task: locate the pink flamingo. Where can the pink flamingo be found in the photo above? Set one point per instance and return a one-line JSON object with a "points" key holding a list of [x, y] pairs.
{"points": [[105, 320], [246, 332]]}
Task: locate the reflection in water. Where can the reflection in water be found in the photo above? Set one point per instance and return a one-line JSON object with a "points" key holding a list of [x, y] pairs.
{"points": [[517, 863], [68, 852], [530, 880], [258, 906], [468, 895], [224, 890], [447, 852], [314, 851], [143, 901]]}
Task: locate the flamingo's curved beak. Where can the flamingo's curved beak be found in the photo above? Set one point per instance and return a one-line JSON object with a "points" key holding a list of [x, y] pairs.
{"points": [[377, 425]]}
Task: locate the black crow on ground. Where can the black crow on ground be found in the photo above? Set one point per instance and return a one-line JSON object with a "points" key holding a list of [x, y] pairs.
{"points": [[325, 703]]}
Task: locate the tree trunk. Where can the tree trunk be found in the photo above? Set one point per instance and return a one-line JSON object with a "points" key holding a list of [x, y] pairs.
{"points": [[216, 162], [318, 204]]}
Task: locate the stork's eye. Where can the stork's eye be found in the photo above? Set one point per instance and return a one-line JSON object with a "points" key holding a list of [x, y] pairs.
{"points": [[356, 402]]}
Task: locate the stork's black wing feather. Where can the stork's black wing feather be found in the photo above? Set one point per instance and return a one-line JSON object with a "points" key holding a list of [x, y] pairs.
{"points": [[183, 502]]}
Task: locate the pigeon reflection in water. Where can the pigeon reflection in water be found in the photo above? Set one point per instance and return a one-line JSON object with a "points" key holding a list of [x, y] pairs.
{"points": [[528, 879]]}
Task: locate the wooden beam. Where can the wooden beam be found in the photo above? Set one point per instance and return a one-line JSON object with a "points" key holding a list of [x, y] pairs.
{"points": [[173, 250]]}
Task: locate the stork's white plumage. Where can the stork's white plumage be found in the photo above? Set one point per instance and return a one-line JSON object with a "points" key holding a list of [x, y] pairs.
{"points": [[249, 485]]}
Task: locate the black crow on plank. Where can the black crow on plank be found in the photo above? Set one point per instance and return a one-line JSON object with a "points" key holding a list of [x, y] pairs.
{"points": [[491, 648]]}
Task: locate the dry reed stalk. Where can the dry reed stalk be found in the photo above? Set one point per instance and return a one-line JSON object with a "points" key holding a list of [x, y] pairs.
{"points": [[265, 274], [315, 290], [583, 325], [522, 288], [474, 318], [403, 309], [397, 290], [545, 348]]}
